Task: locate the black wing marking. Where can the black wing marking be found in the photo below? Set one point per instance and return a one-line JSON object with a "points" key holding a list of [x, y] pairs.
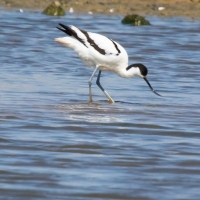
{"points": [[70, 32], [92, 43], [116, 47]]}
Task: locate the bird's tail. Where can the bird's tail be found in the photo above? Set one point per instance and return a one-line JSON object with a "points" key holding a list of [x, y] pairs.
{"points": [[66, 29], [66, 41], [78, 34]]}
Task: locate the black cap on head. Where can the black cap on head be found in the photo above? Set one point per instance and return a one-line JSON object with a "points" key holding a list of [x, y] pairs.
{"points": [[144, 72], [143, 69]]}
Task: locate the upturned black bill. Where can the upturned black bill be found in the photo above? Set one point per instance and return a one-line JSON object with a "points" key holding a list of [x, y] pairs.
{"points": [[151, 87]]}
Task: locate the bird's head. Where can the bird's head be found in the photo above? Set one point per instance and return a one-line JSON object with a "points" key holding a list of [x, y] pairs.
{"points": [[142, 71]]}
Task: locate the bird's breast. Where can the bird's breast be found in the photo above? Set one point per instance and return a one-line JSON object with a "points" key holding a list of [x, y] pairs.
{"points": [[105, 68]]}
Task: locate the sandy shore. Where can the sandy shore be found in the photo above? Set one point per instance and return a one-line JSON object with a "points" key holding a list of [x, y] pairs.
{"points": [[186, 8]]}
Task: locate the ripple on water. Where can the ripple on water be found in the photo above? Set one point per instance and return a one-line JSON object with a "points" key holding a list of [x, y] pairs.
{"points": [[54, 145]]}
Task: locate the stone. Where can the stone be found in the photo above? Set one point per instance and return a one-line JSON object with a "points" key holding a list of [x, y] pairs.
{"points": [[135, 20], [54, 9]]}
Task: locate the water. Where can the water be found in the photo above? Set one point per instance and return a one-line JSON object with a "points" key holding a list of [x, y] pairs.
{"points": [[54, 145]]}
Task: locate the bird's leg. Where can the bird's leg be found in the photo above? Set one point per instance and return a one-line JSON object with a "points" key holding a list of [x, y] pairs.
{"points": [[98, 83], [90, 83]]}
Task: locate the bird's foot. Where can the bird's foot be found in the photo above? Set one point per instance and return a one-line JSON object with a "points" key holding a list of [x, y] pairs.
{"points": [[90, 100], [111, 101]]}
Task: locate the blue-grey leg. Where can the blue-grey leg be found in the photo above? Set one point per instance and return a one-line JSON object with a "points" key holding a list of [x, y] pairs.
{"points": [[90, 83], [98, 83]]}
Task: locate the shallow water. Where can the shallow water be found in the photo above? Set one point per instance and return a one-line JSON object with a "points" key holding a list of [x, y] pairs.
{"points": [[54, 145]]}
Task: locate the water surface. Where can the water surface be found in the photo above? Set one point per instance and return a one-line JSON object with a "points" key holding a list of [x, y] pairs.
{"points": [[54, 145]]}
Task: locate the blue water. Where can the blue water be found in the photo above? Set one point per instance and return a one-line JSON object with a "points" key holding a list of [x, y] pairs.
{"points": [[55, 145]]}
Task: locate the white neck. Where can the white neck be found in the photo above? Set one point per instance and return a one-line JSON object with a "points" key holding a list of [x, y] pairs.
{"points": [[133, 71]]}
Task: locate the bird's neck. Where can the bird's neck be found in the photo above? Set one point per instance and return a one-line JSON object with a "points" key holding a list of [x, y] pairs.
{"points": [[127, 72]]}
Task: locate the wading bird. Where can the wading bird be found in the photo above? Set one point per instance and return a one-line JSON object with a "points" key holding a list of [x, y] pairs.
{"points": [[101, 53]]}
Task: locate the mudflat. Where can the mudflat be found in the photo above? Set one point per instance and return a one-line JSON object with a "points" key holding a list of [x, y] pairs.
{"points": [[165, 8]]}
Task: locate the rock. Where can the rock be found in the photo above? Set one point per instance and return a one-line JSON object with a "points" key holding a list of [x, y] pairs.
{"points": [[54, 9], [161, 8], [71, 10], [135, 20]]}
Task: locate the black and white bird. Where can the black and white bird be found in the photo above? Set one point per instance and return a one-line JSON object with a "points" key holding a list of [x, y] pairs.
{"points": [[101, 53]]}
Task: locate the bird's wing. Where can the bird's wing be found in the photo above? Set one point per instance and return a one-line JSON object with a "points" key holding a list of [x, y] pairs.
{"points": [[106, 45], [73, 32], [97, 42]]}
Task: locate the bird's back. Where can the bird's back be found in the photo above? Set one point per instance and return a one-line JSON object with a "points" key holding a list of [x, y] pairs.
{"points": [[94, 49]]}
